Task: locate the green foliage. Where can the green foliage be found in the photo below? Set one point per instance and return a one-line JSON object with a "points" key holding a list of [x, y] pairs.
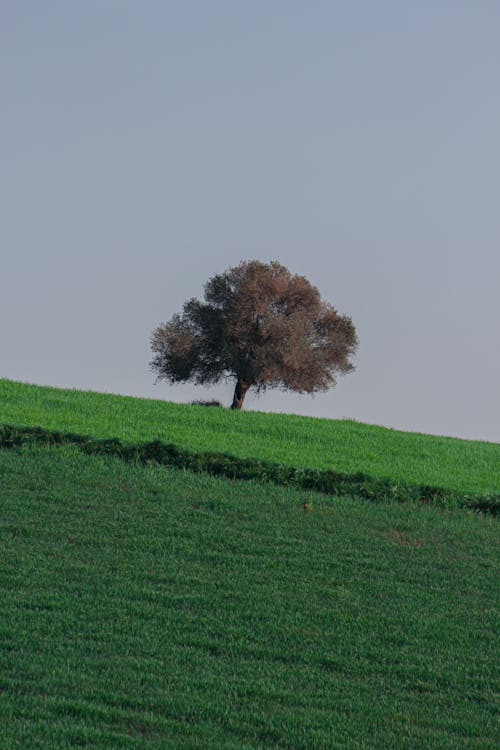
{"points": [[212, 402], [344, 446], [143, 606]]}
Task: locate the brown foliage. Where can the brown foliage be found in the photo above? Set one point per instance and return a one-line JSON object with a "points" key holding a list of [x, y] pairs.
{"points": [[262, 326]]}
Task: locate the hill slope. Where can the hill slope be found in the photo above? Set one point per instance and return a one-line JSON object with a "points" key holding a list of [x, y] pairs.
{"points": [[143, 606], [345, 446]]}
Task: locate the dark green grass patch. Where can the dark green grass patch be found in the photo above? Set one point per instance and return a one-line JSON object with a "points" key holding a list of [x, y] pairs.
{"points": [[340, 445], [150, 607], [359, 486]]}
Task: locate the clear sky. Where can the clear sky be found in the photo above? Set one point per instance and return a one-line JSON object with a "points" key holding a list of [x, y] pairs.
{"points": [[145, 146]]}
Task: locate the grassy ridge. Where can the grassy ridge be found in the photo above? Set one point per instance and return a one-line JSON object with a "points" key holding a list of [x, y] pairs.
{"points": [[304, 442], [326, 481], [144, 606]]}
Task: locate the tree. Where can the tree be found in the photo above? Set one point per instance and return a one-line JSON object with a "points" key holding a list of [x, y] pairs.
{"points": [[261, 326]]}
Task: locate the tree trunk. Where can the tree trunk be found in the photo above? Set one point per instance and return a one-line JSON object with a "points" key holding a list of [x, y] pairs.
{"points": [[239, 393]]}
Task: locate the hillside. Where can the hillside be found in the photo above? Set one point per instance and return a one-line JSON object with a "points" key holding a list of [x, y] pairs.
{"points": [[345, 446], [149, 607]]}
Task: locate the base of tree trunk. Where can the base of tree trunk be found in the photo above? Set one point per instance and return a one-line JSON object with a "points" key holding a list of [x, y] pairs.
{"points": [[240, 392]]}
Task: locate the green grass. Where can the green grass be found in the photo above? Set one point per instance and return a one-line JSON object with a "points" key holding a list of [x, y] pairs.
{"points": [[342, 445], [147, 607]]}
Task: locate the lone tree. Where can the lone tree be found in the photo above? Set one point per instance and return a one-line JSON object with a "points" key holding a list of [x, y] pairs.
{"points": [[261, 326]]}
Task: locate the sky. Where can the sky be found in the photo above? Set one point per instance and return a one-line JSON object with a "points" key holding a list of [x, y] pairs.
{"points": [[145, 146]]}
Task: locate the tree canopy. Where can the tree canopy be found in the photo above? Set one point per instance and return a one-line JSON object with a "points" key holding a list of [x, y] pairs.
{"points": [[261, 326]]}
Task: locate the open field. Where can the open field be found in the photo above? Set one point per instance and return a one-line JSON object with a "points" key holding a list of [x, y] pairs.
{"points": [[147, 607], [345, 446]]}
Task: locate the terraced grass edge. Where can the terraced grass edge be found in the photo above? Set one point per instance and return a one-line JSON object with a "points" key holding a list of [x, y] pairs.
{"points": [[325, 481]]}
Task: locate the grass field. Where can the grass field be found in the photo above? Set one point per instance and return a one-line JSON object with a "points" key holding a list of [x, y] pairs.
{"points": [[146, 607], [346, 446]]}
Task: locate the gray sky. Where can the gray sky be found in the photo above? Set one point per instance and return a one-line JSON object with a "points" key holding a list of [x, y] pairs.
{"points": [[145, 146]]}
